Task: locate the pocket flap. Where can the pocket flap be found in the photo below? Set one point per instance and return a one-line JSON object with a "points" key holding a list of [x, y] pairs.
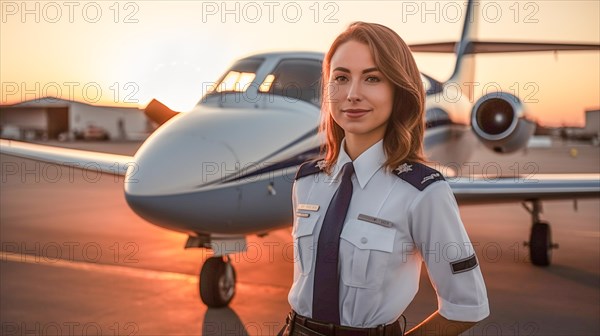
{"points": [[305, 225], [365, 235]]}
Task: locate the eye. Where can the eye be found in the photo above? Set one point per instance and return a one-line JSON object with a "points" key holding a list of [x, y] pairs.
{"points": [[373, 79], [340, 79]]}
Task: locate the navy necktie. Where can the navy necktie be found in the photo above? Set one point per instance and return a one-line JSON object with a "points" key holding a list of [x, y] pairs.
{"points": [[326, 296]]}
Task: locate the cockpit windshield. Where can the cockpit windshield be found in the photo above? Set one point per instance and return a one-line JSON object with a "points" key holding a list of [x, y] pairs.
{"points": [[239, 77], [292, 78]]}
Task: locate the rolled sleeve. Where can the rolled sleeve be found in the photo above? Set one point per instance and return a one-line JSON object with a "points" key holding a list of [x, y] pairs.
{"points": [[457, 312], [440, 237]]}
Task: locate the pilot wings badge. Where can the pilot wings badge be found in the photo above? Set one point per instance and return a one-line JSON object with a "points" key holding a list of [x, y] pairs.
{"points": [[430, 177]]}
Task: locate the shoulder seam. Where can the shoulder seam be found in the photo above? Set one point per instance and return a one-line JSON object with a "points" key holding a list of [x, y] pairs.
{"points": [[415, 202]]}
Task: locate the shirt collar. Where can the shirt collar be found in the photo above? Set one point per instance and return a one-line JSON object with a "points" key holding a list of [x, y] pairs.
{"points": [[365, 165]]}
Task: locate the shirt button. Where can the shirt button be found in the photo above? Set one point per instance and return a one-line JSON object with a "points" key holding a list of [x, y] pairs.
{"points": [[364, 240]]}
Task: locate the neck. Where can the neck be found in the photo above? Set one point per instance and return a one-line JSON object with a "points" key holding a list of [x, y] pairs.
{"points": [[356, 144]]}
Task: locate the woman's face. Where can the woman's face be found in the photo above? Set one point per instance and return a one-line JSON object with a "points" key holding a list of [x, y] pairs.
{"points": [[360, 97]]}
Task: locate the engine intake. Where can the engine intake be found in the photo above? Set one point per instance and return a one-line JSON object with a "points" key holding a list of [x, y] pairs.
{"points": [[499, 121]]}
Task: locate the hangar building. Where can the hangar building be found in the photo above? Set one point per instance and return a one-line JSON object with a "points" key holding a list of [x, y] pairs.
{"points": [[54, 118]]}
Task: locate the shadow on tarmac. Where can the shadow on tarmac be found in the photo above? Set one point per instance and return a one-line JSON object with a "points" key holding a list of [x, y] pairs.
{"points": [[222, 321]]}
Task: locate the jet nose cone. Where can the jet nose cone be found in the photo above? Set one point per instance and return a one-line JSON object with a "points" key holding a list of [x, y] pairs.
{"points": [[178, 164], [167, 186]]}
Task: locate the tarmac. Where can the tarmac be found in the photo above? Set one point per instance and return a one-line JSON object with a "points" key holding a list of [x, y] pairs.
{"points": [[76, 260]]}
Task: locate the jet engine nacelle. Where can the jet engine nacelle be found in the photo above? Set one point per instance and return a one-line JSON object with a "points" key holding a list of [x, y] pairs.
{"points": [[499, 122]]}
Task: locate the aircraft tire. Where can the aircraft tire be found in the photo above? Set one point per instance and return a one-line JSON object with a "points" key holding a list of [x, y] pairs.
{"points": [[540, 244], [217, 282]]}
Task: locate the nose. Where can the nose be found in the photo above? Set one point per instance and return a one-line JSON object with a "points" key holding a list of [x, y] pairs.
{"points": [[176, 164], [354, 92], [191, 173], [166, 186]]}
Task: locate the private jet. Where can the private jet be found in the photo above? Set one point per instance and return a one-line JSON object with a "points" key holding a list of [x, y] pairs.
{"points": [[225, 169]]}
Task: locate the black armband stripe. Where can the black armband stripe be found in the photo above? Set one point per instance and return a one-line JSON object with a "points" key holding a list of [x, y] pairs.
{"points": [[464, 265]]}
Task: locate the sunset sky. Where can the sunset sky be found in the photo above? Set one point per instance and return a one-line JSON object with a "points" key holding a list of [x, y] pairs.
{"points": [[126, 53]]}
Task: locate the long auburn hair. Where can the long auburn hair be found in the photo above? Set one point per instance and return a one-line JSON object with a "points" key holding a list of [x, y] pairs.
{"points": [[403, 138]]}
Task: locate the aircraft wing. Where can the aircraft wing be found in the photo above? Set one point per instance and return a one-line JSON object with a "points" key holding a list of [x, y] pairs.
{"points": [[481, 190], [467, 189], [107, 163]]}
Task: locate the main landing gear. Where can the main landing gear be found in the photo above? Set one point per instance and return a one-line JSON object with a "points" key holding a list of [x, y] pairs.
{"points": [[217, 275], [540, 240]]}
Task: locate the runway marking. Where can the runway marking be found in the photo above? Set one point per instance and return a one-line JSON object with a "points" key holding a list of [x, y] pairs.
{"points": [[117, 269], [87, 266]]}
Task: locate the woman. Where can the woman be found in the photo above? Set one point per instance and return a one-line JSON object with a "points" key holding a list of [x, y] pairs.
{"points": [[370, 212]]}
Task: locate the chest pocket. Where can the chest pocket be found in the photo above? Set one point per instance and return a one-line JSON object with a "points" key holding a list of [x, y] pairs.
{"points": [[304, 243], [367, 248]]}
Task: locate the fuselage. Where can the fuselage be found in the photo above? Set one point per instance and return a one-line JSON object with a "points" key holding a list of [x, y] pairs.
{"points": [[227, 166]]}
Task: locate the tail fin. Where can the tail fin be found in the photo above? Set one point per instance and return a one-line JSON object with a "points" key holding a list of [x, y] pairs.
{"points": [[468, 46], [464, 69]]}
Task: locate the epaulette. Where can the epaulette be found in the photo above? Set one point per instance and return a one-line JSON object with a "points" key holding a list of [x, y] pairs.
{"points": [[310, 168], [418, 175]]}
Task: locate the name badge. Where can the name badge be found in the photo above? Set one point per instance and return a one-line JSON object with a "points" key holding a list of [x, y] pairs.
{"points": [[302, 214], [308, 207], [375, 220]]}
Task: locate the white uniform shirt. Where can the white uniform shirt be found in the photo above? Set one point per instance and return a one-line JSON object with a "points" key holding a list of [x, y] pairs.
{"points": [[380, 264]]}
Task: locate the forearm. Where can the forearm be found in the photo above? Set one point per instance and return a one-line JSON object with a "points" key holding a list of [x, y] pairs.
{"points": [[436, 324]]}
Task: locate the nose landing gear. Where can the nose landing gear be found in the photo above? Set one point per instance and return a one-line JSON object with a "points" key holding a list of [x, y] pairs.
{"points": [[217, 276], [217, 281]]}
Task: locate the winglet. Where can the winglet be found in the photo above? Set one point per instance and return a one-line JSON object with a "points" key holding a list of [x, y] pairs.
{"points": [[159, 112]]}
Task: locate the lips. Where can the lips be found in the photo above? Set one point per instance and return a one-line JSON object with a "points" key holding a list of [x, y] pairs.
{"points": [[355, 113]]}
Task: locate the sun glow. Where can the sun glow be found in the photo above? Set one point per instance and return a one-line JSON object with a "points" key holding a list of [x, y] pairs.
{"points": [[151, 49]]}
